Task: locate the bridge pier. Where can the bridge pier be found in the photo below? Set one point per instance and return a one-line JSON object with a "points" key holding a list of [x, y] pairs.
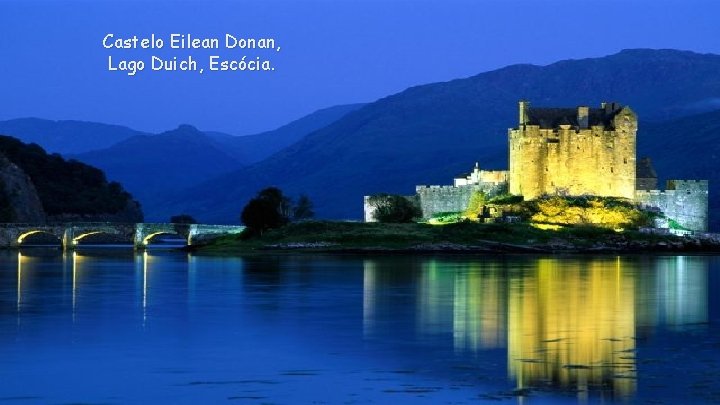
{"points": [[67, 239], [138, 242]]}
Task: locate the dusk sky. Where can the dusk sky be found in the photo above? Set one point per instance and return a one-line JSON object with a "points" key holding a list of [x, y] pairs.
{"points": [[54, 66]]}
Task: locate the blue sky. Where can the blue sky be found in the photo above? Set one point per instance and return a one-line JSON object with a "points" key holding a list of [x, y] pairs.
{"points": [[53, 64]]}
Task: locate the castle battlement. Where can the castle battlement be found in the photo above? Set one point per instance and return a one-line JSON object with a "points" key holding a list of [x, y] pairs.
{"points": [[696, 185], [433, 188]]}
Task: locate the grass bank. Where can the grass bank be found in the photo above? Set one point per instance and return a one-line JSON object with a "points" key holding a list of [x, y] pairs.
{"points": [[460, 237]]}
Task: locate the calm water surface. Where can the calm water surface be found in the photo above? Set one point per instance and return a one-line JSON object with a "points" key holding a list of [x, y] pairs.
{"points": [[114, 327]]}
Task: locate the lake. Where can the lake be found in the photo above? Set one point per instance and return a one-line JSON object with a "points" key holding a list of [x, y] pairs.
{"points": [[110, 326]]}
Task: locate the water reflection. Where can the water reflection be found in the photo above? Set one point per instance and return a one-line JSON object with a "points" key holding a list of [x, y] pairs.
{"points": [[566, 323], [19, 281], [569, 324], [572, 324], [145, 285], [74, 283]]}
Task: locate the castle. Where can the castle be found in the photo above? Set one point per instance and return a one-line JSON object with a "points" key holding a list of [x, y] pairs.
{"points": [[573, 152]]}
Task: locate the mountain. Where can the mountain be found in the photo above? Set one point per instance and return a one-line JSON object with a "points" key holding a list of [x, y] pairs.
{"points": [[154, 166], [254, 148], [66, 137], [35, 184], [150, 166], [427, 134]]}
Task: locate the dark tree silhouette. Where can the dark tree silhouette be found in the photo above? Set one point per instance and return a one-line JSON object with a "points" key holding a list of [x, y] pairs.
{"points": [[303, 209], [274, 196], [260, 215]]}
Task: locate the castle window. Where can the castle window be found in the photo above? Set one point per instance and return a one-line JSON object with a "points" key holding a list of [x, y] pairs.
{"points": [[625, 160], [611, 170]]}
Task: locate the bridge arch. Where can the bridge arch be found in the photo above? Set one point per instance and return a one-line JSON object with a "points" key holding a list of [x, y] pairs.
{"points": [[24, 234], [77, 237], [148, 237]]}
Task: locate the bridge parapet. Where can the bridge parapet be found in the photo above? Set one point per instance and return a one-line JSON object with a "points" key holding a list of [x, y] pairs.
{"points": [[204, 233], [13, 234]]}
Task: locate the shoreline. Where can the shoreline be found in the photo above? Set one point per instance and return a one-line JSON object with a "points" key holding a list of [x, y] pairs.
{"points": [[458, 238]]}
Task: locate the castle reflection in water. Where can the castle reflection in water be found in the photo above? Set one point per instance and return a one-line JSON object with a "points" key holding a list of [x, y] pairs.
{"points": [[567, 323], [571, 323]]}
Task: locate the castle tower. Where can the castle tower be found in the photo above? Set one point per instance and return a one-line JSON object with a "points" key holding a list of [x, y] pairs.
{"points": [[573, 151]]}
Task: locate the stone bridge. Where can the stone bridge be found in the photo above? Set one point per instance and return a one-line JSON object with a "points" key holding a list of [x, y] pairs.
{"points": [[69, 234]]}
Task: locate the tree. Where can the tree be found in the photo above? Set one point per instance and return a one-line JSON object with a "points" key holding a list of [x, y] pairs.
{"points": [[303, 209], [272, 209], [260, 215], [394, 208], [269, 209], [475, 207], [276, 198]]}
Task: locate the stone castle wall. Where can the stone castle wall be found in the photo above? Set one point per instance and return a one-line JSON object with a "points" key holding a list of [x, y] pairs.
{"points": [[572, 161], [684, 201], [436, 199], [493, 176]]}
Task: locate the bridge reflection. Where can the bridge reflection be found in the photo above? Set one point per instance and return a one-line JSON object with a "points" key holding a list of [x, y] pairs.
{"points": [[77, 266], [564, 323]]}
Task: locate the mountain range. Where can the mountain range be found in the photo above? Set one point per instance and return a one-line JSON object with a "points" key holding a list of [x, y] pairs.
{"points": [[429, 133], [424, 135], [153, 166]]}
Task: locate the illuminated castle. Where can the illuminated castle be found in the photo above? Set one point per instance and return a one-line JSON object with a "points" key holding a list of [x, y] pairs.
{"points": [[592, 151], [568, 151], [574, 152]]}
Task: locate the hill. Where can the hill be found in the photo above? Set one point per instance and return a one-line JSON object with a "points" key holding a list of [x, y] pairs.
{"points": [[150, 166], [427, 134], [154, 166], [66, 137], [67, 190]]}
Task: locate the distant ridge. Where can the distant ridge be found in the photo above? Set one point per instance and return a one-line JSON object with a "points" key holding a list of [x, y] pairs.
{"points": [[254, 148], [150, 166], [154, 166], [68, 136]]}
